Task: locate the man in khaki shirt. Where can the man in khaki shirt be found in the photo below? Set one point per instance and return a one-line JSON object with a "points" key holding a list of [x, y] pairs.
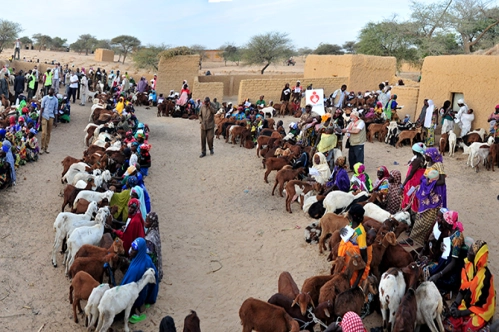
{"points": [[207, 120]]}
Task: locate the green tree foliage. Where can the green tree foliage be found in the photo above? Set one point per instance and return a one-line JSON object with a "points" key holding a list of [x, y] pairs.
{"points": [[8, 33], [125, 44], [85, 43], [304, 51], [388, 38], [230, 52], [349, 47], [324, 49], [199, 49], [58, 43], [26, 40], [103, 43], [148, 57], [267, 48], [42, 41]]}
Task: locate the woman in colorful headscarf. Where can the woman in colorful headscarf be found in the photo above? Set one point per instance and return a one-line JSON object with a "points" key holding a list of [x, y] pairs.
{"points": [[412, 180], [9, 158], [321, 165], [153, 242], [32, 147], [360, 180], [379, 108], [339, 177], [120, 105], [145, 159], [147, 199], [138, 193], [134, 226], [381, 184], [475, 303], [139, 264], [394, 197], [445, 273], [432, 195]]}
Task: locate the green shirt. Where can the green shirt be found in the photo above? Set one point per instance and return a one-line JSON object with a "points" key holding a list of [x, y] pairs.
{"points": [[260, 103]]}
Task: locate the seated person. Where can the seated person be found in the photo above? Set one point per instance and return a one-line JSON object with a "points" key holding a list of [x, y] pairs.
{"points": [[382, 183], [475, 303], [360, 180], [339, 177]]}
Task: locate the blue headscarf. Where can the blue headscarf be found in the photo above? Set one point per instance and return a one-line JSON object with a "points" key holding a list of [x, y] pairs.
{"points": [[138, 266], [140, 193], [10, 159], [147, 199]]}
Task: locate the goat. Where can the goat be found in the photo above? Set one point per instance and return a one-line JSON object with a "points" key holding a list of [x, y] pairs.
{"points": [[452, 143], [91, 310], [67, 162], [379, 247], [86, 235], [493, 155], [66, 222], [443, 143], [338, 199], [80, 289], [329, 223], [284, 302], [268, 111], [117, 299], [191, 322], [287, 287], [265, 317], [93, 196], [406, 316], [391, 290], [88, 250], [393, 131], [94, 265], [377, 128], [284, 175], [297, 189], [350, 300], [395, 256], [407, 134], [373, 211], [70, 193], [341, 281], [430, 306], [313, 285], [275, 164], [74, 169]]}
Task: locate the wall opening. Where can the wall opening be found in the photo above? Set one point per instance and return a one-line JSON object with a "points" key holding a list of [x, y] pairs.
{"points": [[455, 97]]}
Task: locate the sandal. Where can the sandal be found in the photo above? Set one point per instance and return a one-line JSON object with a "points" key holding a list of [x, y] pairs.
{"points": [[134, 319]]}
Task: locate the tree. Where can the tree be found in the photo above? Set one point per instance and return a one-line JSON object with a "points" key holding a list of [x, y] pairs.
{"points": [[324, 49], [8, 33], [85, 43], [472, 19], [148, 57], [126, 44], [304, 51], [103, 43], [77, 46], [349, 47], [230, 52], [42, 41], [388, 38], [58, 43], [25, 40], [199, 49], [267, 48]]}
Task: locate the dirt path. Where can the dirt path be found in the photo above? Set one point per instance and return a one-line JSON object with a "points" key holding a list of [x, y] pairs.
{"points": [[214, 212]]}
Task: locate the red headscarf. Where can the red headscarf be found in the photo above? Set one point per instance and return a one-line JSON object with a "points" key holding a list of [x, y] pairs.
{"points": [[351, 322], [12, 120], [451, 217]]}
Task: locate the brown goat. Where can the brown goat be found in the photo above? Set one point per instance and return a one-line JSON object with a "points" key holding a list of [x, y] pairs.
{"points": [[70, 193], [80, 289], [265, 317], [287, 286], [82, 205], [296, 189], [444, 138], [94, 265], [377, 128], [274, 164], [106, 241], [350, 300], [493, 155], [191, 322], [341, 281], [329, 223], [67, 162], [313, 285], [284, 175], [395, 256], [88, 250], [406, 316], [407, 134], [379, 247]]}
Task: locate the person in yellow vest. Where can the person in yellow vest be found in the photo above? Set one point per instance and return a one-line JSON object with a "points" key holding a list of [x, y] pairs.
{"points": [[356, 133], [31, 84], [47, 84]]}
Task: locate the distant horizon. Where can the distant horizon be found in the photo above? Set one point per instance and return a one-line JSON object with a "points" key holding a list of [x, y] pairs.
{"points": [[210, 23]]}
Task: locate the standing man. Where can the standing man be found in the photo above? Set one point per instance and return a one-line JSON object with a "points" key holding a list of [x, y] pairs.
{"points": [[47, 84], [31, 85], [47, 116], [73, 86], [18, 84], [98, 77], [4, 86], [207, 120], [297, 90], [35, 74], [55, 78], [125, 85], [356, 133], [67, 83], [84, 89], [463, 109], [17, 49], [339, 97]]}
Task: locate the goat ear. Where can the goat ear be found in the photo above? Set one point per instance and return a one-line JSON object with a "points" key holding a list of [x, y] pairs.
{"points": [[326, 312], [294, 303], [354, 262]]}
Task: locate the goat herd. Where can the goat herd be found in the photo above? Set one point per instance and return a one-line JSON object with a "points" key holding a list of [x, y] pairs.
{"points": [[90, 252]]}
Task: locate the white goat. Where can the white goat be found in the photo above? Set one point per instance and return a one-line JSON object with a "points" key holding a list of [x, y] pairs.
{"points": [[391, 290], [94, 107], [472, 151], [430, 306], [86, 235], [66, 222], [91, 309], [73, 170], [392, 131], [99, 179], [338, 199], [268, 110], [452, 143], [117, 299], [373, 211], [93, 196]]}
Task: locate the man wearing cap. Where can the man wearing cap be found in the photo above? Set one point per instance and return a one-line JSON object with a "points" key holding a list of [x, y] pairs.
{"points": [[207, 120], [48, 115], [463, 108], [356, 135]]}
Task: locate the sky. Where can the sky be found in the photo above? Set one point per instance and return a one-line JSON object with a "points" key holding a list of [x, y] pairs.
{"points": [[210, 23]]}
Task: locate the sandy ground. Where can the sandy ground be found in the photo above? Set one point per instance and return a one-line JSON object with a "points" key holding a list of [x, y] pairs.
{"points": [[212, 210]]}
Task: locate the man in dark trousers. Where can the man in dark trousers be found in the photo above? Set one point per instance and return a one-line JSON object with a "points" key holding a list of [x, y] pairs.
{"points": [[207, 120], [19, 84]]}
